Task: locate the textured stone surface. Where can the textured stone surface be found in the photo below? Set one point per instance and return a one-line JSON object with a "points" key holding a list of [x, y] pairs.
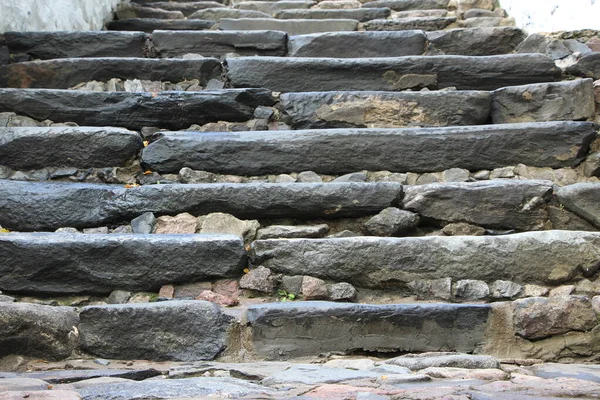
{"points": [[30, 148], [290, 26], [552, 144], [219, 43], [587, 66], [533, 257], [551, 370], [291, 232], [582, 199], [359, 14], [404, 5], [132, 10], [150, 24], [37, 331], [179, 224], [66, 263], [462, 72], [216, 14], [470, 290], [391, 222], [384, 109], [309, 374], [271, 7], [401, 24], [260, 279], [187, 7], [169, 110], [225, 223], [417, 362], [476, 41], [153, 331], [284, 330]]}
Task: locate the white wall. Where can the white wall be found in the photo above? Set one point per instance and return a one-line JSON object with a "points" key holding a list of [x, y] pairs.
{"points": [[55, 15], [554, 15]]}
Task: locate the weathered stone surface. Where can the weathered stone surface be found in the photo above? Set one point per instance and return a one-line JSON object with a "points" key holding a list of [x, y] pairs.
{"points": [[505, 289], [129, 10], [40, 395], [342, 291], [533, 257], [582, 199], [144, 224], [284, 330], [260, 279], [80, 375], [497, 204], [391, 222], [48, 45], [153, 331], [420, 13], [401, 24], [417, 362], [118, 297], [476, 41], [36, 148], [488, 374], [170, 110], [186, 7], [150, 24], [183, 223], [570, 101], [540, 317], [470, 290], [550, 144], [290, 26], [326, 74], [357, 44], [291, 232], [462, 229], [314, 288], [216, 14], [487, 22], [66, 263], [219, 43], [37, 331], [359, 14], [587, 66], [425, 289], [403, 5], [68, 72], [384, 109], [310, 374], [225, 223], [271, 7], [582, 371], [39, 206]]}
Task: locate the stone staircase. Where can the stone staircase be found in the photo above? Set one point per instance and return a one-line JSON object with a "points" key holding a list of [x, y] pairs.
{"points": [[275, 180]]}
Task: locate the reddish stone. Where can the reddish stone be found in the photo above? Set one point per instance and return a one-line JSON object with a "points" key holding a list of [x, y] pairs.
{"points": [[167, 292], [227, 287], [213, 297], [314, 288], [594, 44]]}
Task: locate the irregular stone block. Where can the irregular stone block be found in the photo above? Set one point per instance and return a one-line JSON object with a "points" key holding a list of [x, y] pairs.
{"points": [[42, 206], [290, 232], [171, 110], [172, 330], [582, 199], [216, 14], [69, 72], [551, 144], [290, 26], [186, 7], [403, 5], [36, 330], [65, 264], [357, 44], [476, 41], [402, 24], [587, 66], [306, 110], [271, 7], [359, 14], [561, 101], [471, 290], [327, 74], [533, 257], [219, 43], [287, 330], [36, 148], [128, 10], [418, 362], [392, 222], [150, 24]]}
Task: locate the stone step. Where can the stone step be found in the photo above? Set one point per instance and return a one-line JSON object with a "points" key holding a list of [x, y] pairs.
{"points": [[548, 257], [359, 14], [186, 8], [217, 14], [402, 24], [290, 26], [63, 263], [132, 10], [151, 24], [220, 43], [28, 206], [170, 110], [551, 144], [69, 72], [76, 147], [405, 5], [271, 7], [476, 41], [401, 73]]}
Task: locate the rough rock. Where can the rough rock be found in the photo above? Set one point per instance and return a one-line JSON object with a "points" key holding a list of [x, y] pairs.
{"points": [[118, 297], [309, 374], [188, 7], [476, 41], [216, 14], [209, 295], [290, 26], [471, 290], [292, 284], [342, 291], [179, 224], [489, 374], [582, 199], [402, 24], [464, 5], [291, 232], [226, 223], [37, 331], [260, 279], [505, 289], [143, 224], [40, 395], [352, 177], [35, 263], [435, 288], [462, 229], [391, 222], [152, 24], [418, 362], [153, 331], [551, 370], [271, 7], [128, 10], [359, 14], [403, 5], [314, 288], [587, 66]]}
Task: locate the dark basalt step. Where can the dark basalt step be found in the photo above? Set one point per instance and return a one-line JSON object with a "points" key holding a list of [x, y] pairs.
{"points": [[287, 330], [48, 45], [290, 26], [171, 110], [69, 72], [78, 147], [476, 41], [532, 257], [402, 24], [150, 25], [220, 43], [56, 263], [359, 14], [310, 110], [186, 8], [339, 151], [404, 5], [401, 73], [28, 206]]}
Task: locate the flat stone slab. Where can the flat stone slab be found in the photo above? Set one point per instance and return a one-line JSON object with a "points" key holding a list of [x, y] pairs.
{"points": [[271, 7], [560, 101], [286, 330], [56, 263], [417, 362], [152, 24], [326, 74], [359, 14], [186, 7], [169, 110], [549, 144], [78, 147], [69, 72], [309, 110], [171, 330], [217, 14], [30, 206], [476, 41], [70, 376], [219, 43], [401, 24], [36, 330], [290, 26], [545, 257], [49, 45], [357, 44], [405, 5], [582, 199], [577, 371], [310, 374]]}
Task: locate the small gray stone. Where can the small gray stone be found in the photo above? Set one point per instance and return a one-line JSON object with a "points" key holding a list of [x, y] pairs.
{"points": [[309, 176], [455, 175], [284, 178], [103, 230], [453, 360], [290, 232], [67, 230], [504, 289], [292, 284], [226, 223], [260, 279], [262, 112], [469, 289], [118, 297], [353, 177], [144, 223], [392, 221], [188, 175], [582, 199], [390, 369], [427, 289], [343, 234], [341, 292], [6, 299], [123, 229], [462, 229]]}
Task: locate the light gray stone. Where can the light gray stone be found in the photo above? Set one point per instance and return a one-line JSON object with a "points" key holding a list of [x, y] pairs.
{"points": [[359, 14], [469, 289], [342, 291], [432, 289], [352, 177], [118, 297], [505, 289], [260, 279], [144, 223], [216, 14], [418, 362], [290, 231], [391, 222], [310, 374], [310, 177], [228, 224], [582, 199], [402, 24], [290, 26]]}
